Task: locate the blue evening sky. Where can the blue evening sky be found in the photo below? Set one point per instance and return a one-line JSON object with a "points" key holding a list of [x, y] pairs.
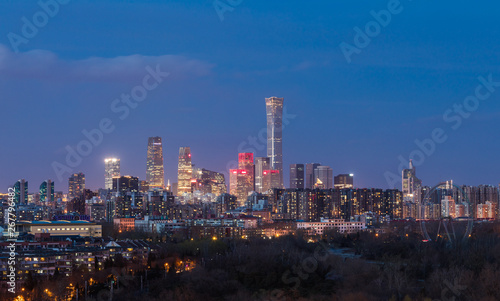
{"points": [[356, 117]]}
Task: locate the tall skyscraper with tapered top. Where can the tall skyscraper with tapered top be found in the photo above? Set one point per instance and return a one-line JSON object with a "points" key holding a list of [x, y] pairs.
{"points": [[111, 170], [185, 171], [154, 165], [274, 109]]}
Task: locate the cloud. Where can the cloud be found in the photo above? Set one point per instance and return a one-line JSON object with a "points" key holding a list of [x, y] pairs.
{"points": [[46, 65]]}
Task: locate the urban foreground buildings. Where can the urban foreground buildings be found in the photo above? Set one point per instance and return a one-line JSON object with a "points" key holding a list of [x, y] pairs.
{"points": [[154, 166]]}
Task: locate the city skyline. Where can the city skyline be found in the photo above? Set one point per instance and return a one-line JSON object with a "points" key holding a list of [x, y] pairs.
{"points": [[249, 150]]}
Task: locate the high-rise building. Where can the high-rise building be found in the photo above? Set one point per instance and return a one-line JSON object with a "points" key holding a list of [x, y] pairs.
{"points": [[411, 188], [323, 177], [21, 192], [343, 181], [242, 180], [47, 191], [261, 164], [210, 181], [274, 110], [154, 165], [270, 179], [233, 181], [185, 171], [126, 184], [296, 176], [310, 179], [246, 176], [76, 185], [111, 170]]}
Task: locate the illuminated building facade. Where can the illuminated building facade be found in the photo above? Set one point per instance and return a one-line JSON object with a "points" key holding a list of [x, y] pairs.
{"points": [[111, 170], [210, 181], [411, 188], [185, 171], [270, 179], [261, 164], [323, 177], [76, 185], [126, 184], [274, 110], [310, 179], [21, 192], [47, 191], [297, 176], [343, 181], [154, 165], [246, 176]]}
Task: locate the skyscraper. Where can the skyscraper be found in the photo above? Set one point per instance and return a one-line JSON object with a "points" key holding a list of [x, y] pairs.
{"points": [[185, 171], [310, 179], [76, 185], [274, 109], [111, 170], [126, 184], [343, 181], [270, 179], [154, 165], [296, 176], [246, 176], [210, 181], [261, 164], [233, 181], [47, 191], [21, 192], [323, 177], [411, 188]]}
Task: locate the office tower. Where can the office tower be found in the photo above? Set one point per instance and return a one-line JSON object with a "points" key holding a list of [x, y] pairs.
{"points": [[323, 177], [154, 165], [21, 192], [343, 181], [126, 184], [111, 170], [185, 171], [76, 185], [210, 181], [47, 191], [297, 176], [261, 164], [274, 110], [310, 179], [246, 176], [233, 181], [411, 188], [270, 179]]}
